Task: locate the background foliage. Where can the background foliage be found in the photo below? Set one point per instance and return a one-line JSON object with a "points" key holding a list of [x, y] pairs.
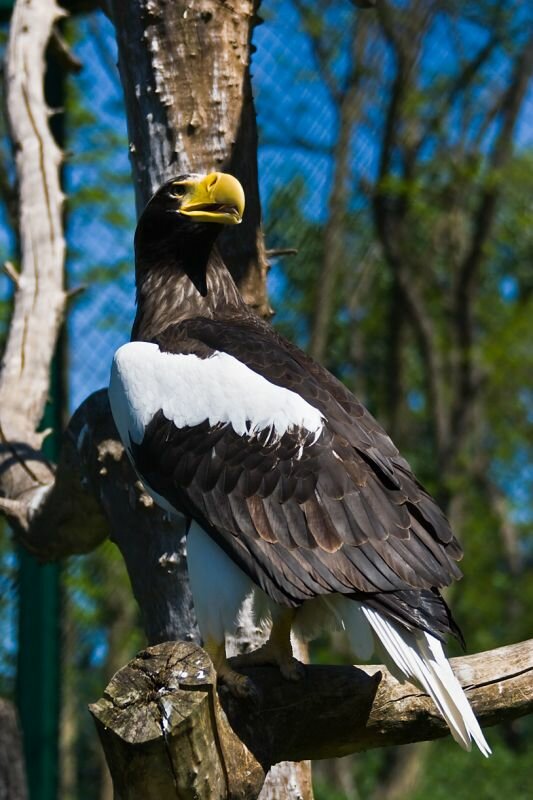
{"points": [[396, 158]]}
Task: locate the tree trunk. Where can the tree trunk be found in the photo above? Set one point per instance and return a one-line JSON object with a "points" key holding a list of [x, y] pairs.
{"points": [[184, 68], [348, 110], [185, 72], [39, 295], [403, 772], [121, 617], [12, 772]]}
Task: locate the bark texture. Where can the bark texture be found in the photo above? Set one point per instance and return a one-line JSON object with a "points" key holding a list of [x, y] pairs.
{"points": [[162, 707], [185, 72], [12, 772], [39, 297], [165, 735]]}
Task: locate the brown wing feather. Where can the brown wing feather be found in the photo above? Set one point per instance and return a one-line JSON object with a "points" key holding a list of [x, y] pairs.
{"points": [[302, 517], [365, 540]]}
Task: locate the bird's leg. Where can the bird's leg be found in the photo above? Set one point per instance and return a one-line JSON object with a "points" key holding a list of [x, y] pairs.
{"points": [[238, 685], [277, 650]]}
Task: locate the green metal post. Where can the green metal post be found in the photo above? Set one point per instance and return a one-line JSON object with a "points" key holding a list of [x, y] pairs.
{"points": [[38, 673], [39, 651]]}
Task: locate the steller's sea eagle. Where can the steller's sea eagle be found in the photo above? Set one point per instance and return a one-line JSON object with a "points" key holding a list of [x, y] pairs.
{"points": [[292, 491]]}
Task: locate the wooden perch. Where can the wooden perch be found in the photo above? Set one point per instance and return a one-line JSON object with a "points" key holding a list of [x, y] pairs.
{"points": [[166, 736]]}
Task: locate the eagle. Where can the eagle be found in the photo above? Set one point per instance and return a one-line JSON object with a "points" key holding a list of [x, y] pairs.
{"points": [[292, 492]]}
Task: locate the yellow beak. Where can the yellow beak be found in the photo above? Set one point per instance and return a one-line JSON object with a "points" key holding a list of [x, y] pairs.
{"points": [[217, 197]]}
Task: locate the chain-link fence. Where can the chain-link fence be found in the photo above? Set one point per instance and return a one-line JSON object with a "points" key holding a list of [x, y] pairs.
{"points": [[375, 147]]}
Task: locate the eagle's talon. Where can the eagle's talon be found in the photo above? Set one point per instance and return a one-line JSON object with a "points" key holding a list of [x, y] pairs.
{"points": [[277, 651], [240, 686], [292, 670]]}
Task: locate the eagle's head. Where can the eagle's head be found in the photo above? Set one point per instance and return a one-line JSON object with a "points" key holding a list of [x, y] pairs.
{"points": [[186, 213], [197, 199]]}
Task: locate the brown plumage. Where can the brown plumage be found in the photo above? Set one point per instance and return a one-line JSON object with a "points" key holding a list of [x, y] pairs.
{"points": [[345, 515], [276, 465]]}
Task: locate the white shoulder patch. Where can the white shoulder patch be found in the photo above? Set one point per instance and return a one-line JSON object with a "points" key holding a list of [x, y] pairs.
{"points": [[190, 390]]}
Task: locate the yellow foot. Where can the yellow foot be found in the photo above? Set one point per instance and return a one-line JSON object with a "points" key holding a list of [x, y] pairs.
{"points": [[292, 670], [236, 684]]}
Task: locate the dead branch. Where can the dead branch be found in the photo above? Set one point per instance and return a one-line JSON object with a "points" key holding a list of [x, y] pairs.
{"points": [[161, 712], [39, 297], [11, 272], [63, 53], [276, 252]]}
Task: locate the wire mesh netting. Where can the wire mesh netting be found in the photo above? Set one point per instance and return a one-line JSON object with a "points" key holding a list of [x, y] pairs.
{"points": [[351, 182]]}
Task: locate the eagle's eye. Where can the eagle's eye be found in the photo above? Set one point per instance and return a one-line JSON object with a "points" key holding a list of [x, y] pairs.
{"points": [[178, 190]]}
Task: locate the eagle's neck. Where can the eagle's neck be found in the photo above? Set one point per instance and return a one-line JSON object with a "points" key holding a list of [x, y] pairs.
{"points": [[172, 290]]}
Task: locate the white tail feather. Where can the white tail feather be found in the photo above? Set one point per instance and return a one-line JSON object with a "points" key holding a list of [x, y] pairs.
{"points": [[420, 657]]}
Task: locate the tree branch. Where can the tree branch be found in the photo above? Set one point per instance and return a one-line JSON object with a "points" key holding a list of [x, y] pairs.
{"points": [[39, 298], [161, 708], [348, 112], [308, 17]]}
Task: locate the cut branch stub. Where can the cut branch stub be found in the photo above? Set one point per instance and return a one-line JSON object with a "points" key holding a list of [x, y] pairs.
{"points": [[95, 492], [165, 735]]}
